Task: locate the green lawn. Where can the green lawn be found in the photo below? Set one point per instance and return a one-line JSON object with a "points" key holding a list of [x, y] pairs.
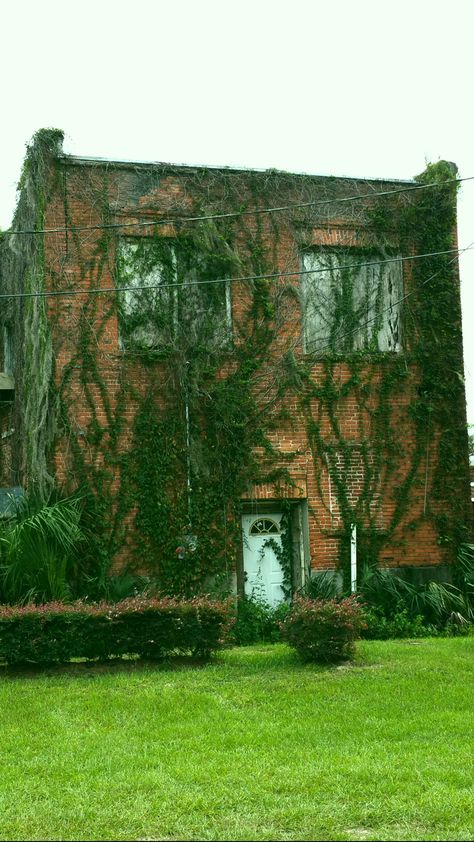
{"points": [[252, 746]]}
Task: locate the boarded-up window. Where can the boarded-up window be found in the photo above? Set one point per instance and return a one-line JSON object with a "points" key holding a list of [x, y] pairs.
{"points": [[169, 296], [351, 302], [147, 306]]}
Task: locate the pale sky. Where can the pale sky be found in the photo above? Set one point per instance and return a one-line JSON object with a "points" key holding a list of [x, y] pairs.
{"points": [[368, 89]]}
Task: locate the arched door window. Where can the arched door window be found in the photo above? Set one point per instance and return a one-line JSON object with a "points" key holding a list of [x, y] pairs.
{"points": [[264, 526]]}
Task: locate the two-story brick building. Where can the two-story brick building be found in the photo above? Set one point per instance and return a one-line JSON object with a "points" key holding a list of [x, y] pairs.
{"points": [[237, 367]]}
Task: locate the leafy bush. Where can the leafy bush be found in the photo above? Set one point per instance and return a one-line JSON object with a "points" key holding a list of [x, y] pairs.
{"points": [[151, 628], [392, 595], [39, 550], [125, 585], [400, 624], [464, 578], [323, 585], [323, 630], [257, 621]]}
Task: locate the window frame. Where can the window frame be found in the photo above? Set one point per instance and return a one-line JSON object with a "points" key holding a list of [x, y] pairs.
{"points": [[127, 344], [354, 255]]}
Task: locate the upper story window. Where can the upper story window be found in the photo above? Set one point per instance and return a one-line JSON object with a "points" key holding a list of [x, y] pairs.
{"points": [[169, 296], [147, 307], [348, 305]]}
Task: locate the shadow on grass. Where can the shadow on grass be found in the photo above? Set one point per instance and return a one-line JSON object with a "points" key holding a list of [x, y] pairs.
{"points": [[111, 666], [275, 658], [280, 658]]}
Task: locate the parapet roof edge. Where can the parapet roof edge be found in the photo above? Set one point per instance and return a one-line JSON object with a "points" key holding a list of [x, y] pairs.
{"points": [[83, 160]]}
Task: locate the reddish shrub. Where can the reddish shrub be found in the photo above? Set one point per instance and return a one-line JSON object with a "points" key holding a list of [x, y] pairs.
{"points": [[323, 630], [151, 628]]}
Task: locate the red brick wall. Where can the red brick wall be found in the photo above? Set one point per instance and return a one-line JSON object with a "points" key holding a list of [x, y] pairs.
{"points": [[65, 261]]}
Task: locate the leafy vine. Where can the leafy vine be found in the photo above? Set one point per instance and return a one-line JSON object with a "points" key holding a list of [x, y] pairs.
{"points": [[166, 401]]}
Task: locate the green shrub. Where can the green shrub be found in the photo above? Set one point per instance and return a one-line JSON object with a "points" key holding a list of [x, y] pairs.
{"points": [[151, 628], [458, 626], [323, 630], [391, 594], [324, 585], [257, 621], [400, 624], [39, 550], [464, 578], [125, 585]]}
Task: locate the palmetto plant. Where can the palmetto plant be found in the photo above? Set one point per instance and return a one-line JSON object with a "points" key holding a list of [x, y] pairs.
{"points": [[435, 602], [39, 550], [465, 576]]}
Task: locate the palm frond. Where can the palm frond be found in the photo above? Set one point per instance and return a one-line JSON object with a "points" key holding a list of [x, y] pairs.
{"points": [[37, 549]]}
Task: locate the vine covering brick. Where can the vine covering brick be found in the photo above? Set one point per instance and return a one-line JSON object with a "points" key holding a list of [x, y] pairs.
{"points": [[201, 354]]}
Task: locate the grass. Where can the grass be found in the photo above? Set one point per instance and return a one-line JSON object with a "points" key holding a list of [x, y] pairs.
{"points": [[253, 746]]}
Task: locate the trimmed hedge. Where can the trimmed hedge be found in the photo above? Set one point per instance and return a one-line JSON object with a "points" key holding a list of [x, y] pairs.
{"points": [[323, 630], [149, 628]]}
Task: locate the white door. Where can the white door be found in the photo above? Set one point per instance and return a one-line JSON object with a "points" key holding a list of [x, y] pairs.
{"points": [[263, 571]]}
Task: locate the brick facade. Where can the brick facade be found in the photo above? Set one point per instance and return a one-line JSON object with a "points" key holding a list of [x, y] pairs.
{"points": [[82, 194]]}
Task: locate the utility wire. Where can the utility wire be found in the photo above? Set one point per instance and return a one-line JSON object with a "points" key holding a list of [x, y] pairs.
{"points": [[270, 276], [234, 214]]}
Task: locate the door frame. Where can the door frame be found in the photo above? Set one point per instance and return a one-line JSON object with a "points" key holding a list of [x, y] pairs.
{"points": [[300, 534]]}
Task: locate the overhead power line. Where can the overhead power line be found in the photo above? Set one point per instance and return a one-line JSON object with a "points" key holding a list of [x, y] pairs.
{"points": [[242, 278], [234, 214]]}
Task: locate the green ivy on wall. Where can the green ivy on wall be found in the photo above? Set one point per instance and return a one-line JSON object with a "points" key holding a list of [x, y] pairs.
{"points": [[168, 484]]}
